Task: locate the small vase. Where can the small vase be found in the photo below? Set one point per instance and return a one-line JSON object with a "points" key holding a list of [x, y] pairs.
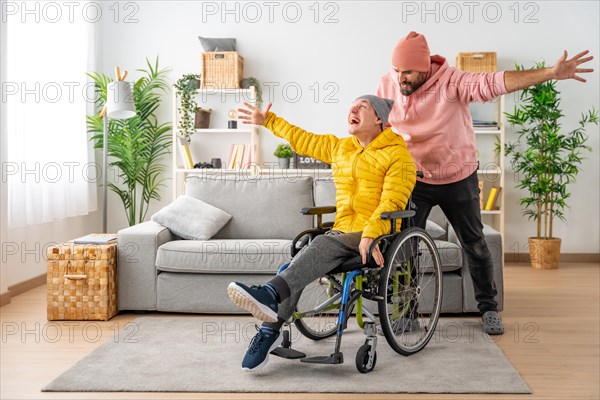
{"points": [[202, 120], [284, 163]]}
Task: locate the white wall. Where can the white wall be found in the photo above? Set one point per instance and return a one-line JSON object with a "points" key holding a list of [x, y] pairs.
{"points": [[353, 50], [3, 197], [346, 46]]}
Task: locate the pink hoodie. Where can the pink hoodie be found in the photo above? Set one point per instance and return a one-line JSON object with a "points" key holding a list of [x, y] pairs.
{"points": [[435, 121]]}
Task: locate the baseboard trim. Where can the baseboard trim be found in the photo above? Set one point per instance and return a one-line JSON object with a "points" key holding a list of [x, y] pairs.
{"points": [[4, 298], [21, 288], [567, 257]]}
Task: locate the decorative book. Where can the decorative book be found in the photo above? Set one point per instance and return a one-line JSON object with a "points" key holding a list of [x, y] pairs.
{"points": [[96, 238], [490, 204]]}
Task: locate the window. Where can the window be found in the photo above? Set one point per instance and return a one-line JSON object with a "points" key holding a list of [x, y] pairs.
{"points": [[46, 92]]}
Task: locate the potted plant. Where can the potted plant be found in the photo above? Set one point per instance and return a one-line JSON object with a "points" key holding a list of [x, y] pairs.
{"points": [[186, 87], [252, 81], [202, 118], [137, 145], [546, 160], [284, 152]]}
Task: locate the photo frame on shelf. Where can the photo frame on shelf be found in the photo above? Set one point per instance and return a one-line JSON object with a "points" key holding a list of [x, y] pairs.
{"points": [[304, 162]]}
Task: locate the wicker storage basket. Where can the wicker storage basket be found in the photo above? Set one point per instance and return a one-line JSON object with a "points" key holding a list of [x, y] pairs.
{"points": [[476, 62], [222, 69], [82, 281]]}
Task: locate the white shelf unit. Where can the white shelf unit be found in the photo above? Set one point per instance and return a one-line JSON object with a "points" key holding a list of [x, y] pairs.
{"points": [[491, 164], [218, 136]]}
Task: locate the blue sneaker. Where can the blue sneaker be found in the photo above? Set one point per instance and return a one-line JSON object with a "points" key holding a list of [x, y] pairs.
{"points": [[260, 301], [264, 342]]}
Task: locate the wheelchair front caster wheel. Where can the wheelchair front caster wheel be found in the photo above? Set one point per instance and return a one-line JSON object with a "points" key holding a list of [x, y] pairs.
{"points": [[363, 357]]}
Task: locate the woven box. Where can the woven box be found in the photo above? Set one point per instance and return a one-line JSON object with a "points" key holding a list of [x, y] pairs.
{"points": [[476, 62], [222, 69], [82, 281]]}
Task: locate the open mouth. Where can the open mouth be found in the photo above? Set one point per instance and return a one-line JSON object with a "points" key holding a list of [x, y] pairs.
{"points": [[354, 121]]}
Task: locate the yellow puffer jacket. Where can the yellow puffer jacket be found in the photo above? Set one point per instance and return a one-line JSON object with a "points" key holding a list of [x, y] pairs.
{"points": [[368, 180]]}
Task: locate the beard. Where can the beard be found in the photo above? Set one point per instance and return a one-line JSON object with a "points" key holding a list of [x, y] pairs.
{"points": [[412, 86]]}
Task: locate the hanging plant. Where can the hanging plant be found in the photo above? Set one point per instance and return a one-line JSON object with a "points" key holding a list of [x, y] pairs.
{"points": [[186, 87]]}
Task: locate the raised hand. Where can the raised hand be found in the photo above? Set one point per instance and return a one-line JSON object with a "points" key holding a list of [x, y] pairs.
{"points": [[253, 115], [568, 69]]}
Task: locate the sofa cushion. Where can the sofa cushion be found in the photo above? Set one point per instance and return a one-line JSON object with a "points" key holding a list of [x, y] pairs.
{"points": [[262, 207], [450, 255], [190, 218], [437, 215], [434, 230], [223, 256]]}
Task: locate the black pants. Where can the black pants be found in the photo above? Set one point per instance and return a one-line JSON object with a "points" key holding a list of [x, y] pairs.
{"points": [[460, 203]]}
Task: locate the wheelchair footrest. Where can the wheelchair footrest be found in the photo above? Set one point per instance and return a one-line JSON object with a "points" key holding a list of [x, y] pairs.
{"points": [[286, 352], [334, 358]]}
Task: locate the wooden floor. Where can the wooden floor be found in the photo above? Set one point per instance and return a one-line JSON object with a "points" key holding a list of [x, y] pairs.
{"points": [[552, 339]]}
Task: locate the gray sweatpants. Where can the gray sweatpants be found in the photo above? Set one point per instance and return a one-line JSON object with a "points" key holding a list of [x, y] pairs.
{"points": [[322, 255]]}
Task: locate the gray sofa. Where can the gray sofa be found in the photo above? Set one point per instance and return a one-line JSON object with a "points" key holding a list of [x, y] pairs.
{"points": [[158, 270]]}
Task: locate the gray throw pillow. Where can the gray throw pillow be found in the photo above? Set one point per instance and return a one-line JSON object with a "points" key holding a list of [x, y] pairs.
{"points": [[190, 218], [218, 44], [434, 230]]}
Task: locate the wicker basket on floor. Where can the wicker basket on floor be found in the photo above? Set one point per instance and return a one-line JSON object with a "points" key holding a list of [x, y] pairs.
{"points": [[81, 281]]}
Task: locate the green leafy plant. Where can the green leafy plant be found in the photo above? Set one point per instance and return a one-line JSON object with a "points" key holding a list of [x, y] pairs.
{"points": [[136, 146], [546, 158], [497, 148], [186, 87], [284, 151], [252, 81]]}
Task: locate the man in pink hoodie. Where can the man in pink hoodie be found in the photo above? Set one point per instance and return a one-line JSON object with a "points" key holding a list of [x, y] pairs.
{"points": [[431, 111]]}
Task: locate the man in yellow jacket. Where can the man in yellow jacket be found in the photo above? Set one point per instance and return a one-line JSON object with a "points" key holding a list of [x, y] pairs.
{"points": [[374, 173]]}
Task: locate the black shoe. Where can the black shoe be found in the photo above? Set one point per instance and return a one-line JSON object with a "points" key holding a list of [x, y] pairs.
{"points": [[264, 342], [260, 301], [492, 323]]}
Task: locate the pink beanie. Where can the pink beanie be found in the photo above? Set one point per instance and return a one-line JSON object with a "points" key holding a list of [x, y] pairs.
{"points": [[412, 53]]}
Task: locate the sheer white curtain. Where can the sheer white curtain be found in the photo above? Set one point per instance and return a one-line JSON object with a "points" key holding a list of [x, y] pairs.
{"points": [[49, 171]]}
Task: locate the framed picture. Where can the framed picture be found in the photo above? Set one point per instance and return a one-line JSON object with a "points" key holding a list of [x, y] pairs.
{"points": [[304, 162]]}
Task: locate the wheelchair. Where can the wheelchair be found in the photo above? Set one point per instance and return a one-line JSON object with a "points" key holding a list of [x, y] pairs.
{"points": [[407, 291]]}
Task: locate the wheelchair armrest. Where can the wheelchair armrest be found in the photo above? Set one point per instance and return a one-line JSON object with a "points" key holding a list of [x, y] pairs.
{"points": [[391, 215], [318, 210], [304, 237]]}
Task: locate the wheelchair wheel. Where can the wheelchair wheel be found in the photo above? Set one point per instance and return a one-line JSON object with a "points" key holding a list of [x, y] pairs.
{"points": [[317, 311], [411, 287], [362, 359]]}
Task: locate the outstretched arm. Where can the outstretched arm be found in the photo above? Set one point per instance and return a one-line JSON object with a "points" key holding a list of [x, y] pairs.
{"points": [[562, 69], [254, 115], [303, 142]]}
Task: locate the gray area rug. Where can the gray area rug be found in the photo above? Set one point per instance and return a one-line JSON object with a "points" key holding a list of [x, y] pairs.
{"points": [[203, 354]]}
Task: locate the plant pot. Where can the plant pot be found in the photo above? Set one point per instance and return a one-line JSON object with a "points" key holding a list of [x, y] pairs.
{"points": [[544, 253], [284, 163], [202, 120]]}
